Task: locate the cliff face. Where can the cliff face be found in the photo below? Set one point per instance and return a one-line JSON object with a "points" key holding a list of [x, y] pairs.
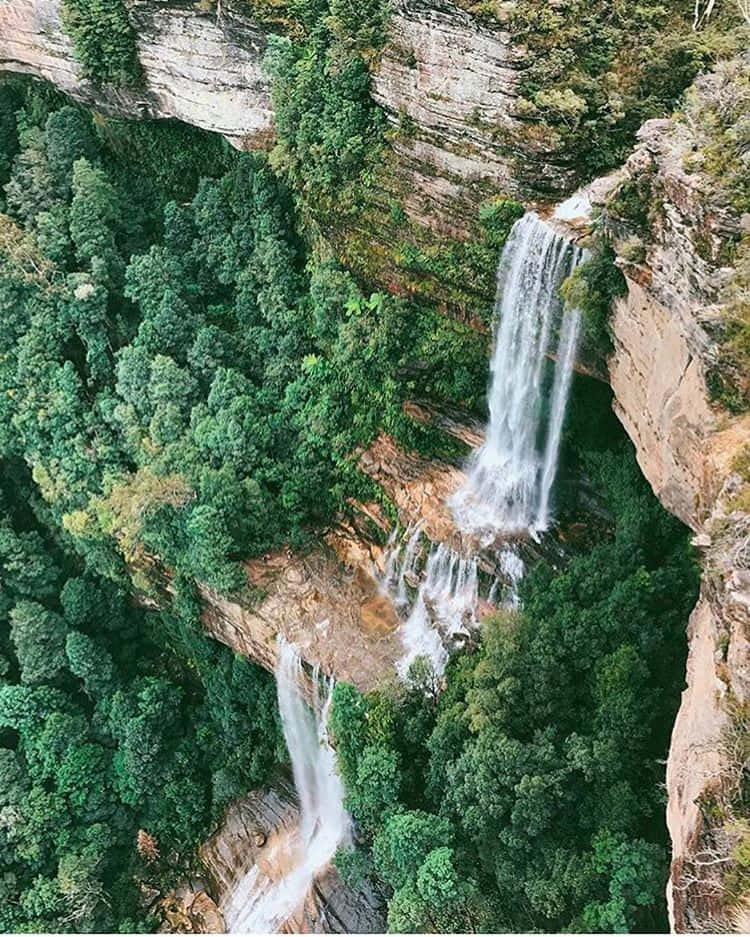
{"points": [[198, 68], [456, 80], [453, 78], [663, 352]]}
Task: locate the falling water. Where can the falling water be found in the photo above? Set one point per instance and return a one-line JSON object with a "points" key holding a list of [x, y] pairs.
{"points": [[258, 904], [443, 610], [402, 556], [510, 477], [563, 376]]}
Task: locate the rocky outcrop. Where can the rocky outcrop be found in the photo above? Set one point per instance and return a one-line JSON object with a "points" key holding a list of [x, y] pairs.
{"points": [[451, 77], [328, 600], [253, 834], [330, 608], [454, 80], [662, 347], [199, 68], [188, 911], [663, 352]]}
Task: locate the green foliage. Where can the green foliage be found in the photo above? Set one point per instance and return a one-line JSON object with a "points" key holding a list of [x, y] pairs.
{"points": [[103, 40], [38, 636], [529, 796], [334, 151], [593, 287], [112, 720], [220, 383], [596, 72], [403, 843], [329, 130]]}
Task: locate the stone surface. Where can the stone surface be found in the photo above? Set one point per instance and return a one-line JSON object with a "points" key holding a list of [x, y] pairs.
{"points": [[329, 908], [661, 400], [663, 351], [190, 912], [456, 81], [326, 608], [199, 69]]}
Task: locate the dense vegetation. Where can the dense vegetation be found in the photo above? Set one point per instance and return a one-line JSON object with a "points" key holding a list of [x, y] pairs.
{"points": [[598, 70], [178, 375], [104, 42], [527, 795], [112, 721]]}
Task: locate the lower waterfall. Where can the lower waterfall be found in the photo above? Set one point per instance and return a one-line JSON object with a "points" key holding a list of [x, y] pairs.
{"points": [[510, 476], [443, 610], [258, 904]]}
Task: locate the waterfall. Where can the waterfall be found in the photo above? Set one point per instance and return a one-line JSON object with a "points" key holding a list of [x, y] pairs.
{"points": [[560, 391], [510, 476], [443, 610], [260, 905]]}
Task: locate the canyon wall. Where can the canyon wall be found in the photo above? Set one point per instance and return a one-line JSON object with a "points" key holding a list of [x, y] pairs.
{"points": [[454, 78], [198, 68], [663, 353]]}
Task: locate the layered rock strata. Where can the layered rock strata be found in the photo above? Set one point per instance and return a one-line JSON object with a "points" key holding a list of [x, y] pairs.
{"points": [[200, 68]]}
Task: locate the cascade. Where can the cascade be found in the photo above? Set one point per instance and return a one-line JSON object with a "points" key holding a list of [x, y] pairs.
{"points": [[260, 904], [446, 594], [510, 477], [443, 610]]}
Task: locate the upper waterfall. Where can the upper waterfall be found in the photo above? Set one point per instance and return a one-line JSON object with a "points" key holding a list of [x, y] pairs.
{"points": [[510, 477], [260, 905]]}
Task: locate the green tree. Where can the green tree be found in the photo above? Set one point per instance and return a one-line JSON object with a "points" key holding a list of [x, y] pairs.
{"points": [[38, 636]]}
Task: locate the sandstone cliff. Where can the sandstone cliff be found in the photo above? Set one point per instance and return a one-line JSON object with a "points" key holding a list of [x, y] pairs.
{"points": [[663, 353], [453, 77], [198, 68]]}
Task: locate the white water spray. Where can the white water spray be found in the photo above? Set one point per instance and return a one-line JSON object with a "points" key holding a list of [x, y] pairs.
{"points": [[259, 905], [510, 476], [566, 351], [443, 610]]}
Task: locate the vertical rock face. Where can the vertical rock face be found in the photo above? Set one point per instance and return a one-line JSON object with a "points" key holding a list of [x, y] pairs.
{"points": [[662, 347], [663, 352], [198, 68], [451, 83]]}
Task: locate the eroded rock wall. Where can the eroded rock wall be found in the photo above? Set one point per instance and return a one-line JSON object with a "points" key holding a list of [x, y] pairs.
{"points": [[198, 68], [451, 77], [455, 81], [685, 444]]}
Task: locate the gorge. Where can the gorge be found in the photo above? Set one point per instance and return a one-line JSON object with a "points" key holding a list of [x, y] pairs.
{"points": [[234, 350]]}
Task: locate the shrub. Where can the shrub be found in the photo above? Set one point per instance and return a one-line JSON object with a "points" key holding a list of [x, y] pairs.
{"points": [[103, 41]]}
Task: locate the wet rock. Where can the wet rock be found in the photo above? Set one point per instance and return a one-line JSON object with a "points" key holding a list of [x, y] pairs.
{"points": [[329, 908]]}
